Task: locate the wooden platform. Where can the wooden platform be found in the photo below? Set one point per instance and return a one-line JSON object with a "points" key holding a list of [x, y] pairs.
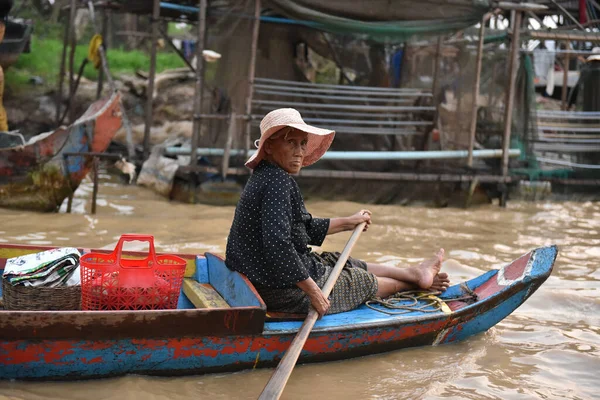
{"points": [[203, 295]]}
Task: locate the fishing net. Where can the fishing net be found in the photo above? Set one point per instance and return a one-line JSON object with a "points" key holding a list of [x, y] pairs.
{"points": [[457, 79], [566, 144], [356, 61], [384, 20]]}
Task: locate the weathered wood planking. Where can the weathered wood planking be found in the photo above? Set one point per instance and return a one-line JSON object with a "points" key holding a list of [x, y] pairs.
{"points": [[202, 295]]}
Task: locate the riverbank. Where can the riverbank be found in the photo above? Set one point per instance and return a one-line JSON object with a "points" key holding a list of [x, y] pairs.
{"points": [[31, 84]]}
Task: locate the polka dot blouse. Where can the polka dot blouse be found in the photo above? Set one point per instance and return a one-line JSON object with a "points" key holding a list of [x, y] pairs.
{"points": [[271, 231]]}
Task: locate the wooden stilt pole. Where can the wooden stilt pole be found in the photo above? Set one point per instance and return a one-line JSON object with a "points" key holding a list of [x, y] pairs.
{"points": [[111, 84], [252, 71], [565, 85], [73, 43], [435, 89], [71, 191], [459, 103], [568, 14], [95, 166], [476, 91], [492, 92], [61, 77], [579, 36], [227, 150], [105, 16], [510, 93], [437, 72], [198, 92], [151, 78]]}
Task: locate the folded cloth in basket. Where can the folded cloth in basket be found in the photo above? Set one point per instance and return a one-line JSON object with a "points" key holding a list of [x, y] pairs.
{"points": [[51, 268]]}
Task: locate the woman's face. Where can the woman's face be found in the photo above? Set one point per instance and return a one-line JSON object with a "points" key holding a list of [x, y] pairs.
{"points": [[288, 150]]}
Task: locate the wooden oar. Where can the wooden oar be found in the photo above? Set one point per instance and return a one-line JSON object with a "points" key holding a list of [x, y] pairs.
{"points": [[276, 384]]}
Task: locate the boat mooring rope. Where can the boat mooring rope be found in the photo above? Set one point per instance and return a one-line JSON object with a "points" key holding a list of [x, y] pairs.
{"points": [[419, 300]]}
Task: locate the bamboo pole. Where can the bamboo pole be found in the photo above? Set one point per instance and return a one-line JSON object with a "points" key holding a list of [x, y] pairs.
{"points": [[505, 5], [111, 84], [437, 71], [591, 23], [435, 88], [252, 70], [510, 93], [404, 176], [341, 91], [554, 35], [199, 78], [72, 41], [61, 77], [359, 155], [565, 85], [492, 92], [400, 98], [595, 4], [325, 106], [199, 88], [95, 167], [227, 149], [151, 78], [476, 91], [105, 15], [285, 83], [71, 191], [568, 14]]}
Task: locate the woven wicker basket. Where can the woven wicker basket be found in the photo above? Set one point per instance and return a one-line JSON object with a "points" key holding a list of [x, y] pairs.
{"points": [[40, 298]]}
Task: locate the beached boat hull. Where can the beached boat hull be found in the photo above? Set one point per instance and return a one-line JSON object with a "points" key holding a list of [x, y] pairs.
{"points": [[16, 39], [80, 345], [37, 176]]}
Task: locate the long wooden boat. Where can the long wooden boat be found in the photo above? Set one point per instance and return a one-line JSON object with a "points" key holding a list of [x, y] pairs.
{"points": [[67, 345], [37, 175]]}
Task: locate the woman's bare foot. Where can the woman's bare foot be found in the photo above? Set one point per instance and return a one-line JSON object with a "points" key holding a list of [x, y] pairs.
{"points": [[440, 282], [429, 269]]}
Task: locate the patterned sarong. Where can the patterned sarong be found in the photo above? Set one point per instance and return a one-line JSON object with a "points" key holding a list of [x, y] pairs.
{"points": [[354, 286]]}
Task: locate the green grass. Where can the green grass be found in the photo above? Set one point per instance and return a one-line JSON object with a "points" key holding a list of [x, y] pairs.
{"points": [[44, 61], [174, 30]]}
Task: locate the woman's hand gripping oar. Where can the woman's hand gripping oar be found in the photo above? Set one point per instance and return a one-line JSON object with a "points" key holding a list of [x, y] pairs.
{"points": [[276, 384]]}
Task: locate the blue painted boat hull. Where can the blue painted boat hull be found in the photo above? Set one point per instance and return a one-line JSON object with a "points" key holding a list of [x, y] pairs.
{"points": [[38, 177]]}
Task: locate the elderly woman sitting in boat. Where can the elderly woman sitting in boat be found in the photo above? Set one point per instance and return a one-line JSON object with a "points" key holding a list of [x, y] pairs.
{"points": [[272, 229]]}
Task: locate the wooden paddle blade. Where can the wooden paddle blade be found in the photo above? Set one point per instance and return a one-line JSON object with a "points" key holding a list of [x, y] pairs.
{"points": [[278, 380]]}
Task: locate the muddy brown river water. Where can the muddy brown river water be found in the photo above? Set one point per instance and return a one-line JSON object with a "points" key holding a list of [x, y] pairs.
{"points": [[549, 348]]}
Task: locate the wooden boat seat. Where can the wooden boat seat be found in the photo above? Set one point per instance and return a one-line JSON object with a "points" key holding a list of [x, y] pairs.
{"points": [[203, 295]]}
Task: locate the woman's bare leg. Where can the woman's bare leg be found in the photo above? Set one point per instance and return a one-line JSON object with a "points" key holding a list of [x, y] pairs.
{"points": [[425, 275], [389, 286]]}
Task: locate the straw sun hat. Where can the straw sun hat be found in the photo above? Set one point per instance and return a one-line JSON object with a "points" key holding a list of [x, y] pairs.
{"points": [[319, 139]]}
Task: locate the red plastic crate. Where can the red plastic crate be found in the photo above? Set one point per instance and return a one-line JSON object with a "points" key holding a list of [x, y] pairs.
{"points": [[109, 282]]}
